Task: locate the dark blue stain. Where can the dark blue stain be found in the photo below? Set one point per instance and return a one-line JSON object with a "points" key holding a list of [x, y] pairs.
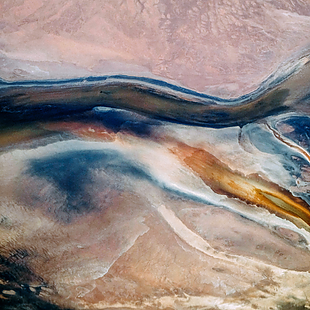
{"points": [[14, 115], [113, 119], [301, 132], [71, 173], [117, 120]]}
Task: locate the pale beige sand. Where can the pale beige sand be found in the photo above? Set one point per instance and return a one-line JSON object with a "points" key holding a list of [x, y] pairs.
{"points": [[225, 48]]}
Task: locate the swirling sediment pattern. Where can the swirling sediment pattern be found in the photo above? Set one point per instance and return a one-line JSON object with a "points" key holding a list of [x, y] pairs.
{"points": [[26, 101], [129, 188]]}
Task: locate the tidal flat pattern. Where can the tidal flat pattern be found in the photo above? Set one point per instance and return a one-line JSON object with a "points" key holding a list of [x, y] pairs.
{"points": [[129, 192]]}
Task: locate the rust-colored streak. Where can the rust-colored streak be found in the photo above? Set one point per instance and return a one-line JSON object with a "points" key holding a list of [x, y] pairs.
{"points": [[83, 130], [252, 189], [25, 133], [21, 134]]}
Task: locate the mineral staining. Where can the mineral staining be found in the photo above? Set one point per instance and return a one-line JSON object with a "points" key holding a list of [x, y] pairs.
{"points": [[252, 189], [112, 196], [155, 98]]}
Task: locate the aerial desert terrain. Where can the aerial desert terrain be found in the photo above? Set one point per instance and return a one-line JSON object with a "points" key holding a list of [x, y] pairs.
{"points": [[154, 154]]}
